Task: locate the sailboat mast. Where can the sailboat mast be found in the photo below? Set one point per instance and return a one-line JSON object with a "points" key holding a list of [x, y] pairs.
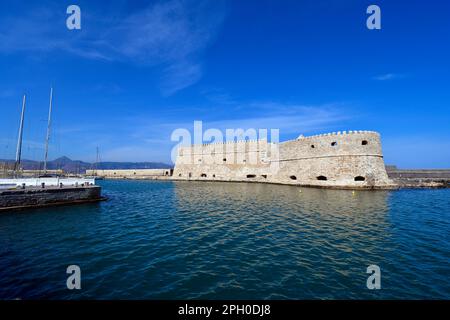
{"points": [[48, 130], [19, 140], [96, 162]]}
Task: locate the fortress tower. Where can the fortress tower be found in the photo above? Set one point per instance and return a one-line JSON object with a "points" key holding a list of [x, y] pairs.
{"points": [[351, 159]]}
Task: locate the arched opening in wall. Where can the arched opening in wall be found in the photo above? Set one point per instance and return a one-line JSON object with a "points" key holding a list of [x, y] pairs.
{"points": [[179, 174], [322, 178], [293, 177], [334, 144], [251, 176], [203, 175], [364, 142], [312, 146], [134, 173], [167, 173], [190, 174], [360, 178], [264, 176]]}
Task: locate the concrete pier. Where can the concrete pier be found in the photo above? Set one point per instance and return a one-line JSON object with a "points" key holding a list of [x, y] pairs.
{"points": [[48, 181], [35, 197]]}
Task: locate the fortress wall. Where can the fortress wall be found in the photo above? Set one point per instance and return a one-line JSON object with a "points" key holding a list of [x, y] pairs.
{"points": [[322, 145], [339, 157], [338, 171], [225, 161], [230, 153], [336, 158]]}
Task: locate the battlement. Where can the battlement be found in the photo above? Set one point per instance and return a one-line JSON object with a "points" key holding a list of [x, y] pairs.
{"points": [[301, 137], [225, 142], [338, 133]]}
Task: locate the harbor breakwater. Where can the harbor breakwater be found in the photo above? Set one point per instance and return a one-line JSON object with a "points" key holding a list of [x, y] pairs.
{"points": [[402, 178], [33, 197]]}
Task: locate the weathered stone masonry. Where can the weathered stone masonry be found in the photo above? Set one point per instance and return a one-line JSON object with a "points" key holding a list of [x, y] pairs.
{"points": [[351, 159], [41, 197]]}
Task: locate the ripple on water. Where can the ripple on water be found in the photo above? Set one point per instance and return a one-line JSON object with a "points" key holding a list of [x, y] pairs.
{"points": [[172, 240]]}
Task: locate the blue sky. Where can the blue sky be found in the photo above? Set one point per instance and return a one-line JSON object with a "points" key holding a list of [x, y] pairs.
{"points": [[137, 70]]}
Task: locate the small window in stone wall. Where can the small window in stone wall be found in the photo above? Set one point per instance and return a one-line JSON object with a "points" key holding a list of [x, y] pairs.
{"points": [[334, 144], [251, 176], [224, 160], [264, 176], [179, 174], [322, 178], [364, 142], [293, 177], [312, 146], [214, 175], [203, 175], [360, 178]]}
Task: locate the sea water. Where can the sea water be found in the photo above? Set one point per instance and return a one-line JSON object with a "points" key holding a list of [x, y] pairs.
{"points": [[213, 240]]}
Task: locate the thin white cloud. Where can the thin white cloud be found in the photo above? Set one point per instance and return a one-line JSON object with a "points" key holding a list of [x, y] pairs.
{"points": [[147, 137], [388, 76], [7, 93], [151, 138], [169, 34]]}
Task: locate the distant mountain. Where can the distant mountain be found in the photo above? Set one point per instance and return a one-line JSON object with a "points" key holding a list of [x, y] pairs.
{"points": [[77, 166]]}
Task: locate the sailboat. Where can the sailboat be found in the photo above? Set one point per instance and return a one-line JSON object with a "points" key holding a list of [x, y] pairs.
{"points": [[16, 169], [94, 167], [47, 139], [46, 179]]}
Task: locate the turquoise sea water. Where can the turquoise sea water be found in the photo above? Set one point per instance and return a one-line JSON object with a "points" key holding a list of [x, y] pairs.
{"points": [[177, 240]]}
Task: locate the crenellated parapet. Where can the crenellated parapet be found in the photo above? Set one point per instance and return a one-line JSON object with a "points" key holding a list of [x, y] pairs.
{"points": [[338, 133]]}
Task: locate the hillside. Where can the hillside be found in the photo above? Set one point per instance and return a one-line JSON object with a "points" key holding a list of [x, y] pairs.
{"points": [[77, 166]]}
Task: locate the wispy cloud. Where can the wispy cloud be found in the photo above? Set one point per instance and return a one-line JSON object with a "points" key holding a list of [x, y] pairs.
{"points": [[146, 137], [7, 93], [151, 138], [388, 76], [171, 35]]}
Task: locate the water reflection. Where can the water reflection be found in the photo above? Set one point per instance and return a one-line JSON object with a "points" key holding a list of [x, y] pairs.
{"points": [[284, 236], [182, 240]]}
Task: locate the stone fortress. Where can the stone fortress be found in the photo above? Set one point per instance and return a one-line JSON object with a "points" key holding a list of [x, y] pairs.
{"points": [[352, 159]]}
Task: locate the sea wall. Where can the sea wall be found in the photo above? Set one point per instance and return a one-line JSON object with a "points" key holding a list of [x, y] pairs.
{"points": [[439, 174], [343, 159], [50, 181], [129, 173], [40, 197], [419, 178]]}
